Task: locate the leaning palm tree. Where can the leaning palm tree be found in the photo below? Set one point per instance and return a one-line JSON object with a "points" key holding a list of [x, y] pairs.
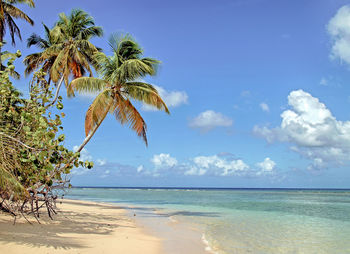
{"points": [[8, 12], [117, 86], [70, 53]]}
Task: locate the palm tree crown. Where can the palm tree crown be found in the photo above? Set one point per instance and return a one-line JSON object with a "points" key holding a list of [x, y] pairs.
{"points": [[66, 50], [118, 85], [72, 48]]}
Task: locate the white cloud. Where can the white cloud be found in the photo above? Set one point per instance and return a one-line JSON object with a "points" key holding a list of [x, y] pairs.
{"points": [[220, 165], [264, 107], [171, 98], [139, 168], [163, 161], [210, 119], [312, 130], [195, 171], [215, 165], [101, 162], [266, 166], [339, 31]]}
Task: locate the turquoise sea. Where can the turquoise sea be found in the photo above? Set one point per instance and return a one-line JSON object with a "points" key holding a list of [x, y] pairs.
{"points": [[243, 220]]}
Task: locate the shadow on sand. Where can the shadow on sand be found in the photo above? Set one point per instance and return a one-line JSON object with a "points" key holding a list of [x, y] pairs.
{"points": [[53, 233]]}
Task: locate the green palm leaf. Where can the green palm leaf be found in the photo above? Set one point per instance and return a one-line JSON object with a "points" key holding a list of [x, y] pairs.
{"points": [[86, 85], [145, 93]]}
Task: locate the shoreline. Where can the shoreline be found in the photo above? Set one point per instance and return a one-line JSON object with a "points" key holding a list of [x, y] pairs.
{"points": [[177, 235], [79, 227]]}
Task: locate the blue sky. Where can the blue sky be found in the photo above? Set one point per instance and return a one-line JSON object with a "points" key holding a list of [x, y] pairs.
{"points": [[258, 92]]}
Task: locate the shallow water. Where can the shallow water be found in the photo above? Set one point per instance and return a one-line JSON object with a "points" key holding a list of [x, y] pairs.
{"points": [[247, 220]]}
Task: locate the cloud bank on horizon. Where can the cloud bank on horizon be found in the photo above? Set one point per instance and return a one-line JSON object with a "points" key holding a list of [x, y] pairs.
{"points": [[221, 165]]}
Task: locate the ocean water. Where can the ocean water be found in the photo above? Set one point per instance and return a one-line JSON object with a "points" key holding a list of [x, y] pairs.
{"points": [[246, 220]]}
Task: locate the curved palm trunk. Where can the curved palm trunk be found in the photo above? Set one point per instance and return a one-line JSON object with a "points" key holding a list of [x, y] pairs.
{"points": [[57, 92], [88, 137]]}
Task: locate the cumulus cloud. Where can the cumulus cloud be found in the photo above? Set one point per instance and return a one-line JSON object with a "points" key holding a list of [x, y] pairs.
{"points": [[215, 165], [220, 165], [266, 167], [264, 107], [312, 130], [171, 98], [163, 161], [195, 171], [339, 31], [209, 120]]}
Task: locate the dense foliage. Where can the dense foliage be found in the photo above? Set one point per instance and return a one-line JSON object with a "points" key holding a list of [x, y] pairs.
{"points": [[33, 158]]}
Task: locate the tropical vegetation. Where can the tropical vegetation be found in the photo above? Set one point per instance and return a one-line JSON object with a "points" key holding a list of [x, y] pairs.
{"points": [[34, 162], [33, 158]]}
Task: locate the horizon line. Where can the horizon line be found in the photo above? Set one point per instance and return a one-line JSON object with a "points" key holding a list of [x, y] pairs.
{"points": [[214, 188]]}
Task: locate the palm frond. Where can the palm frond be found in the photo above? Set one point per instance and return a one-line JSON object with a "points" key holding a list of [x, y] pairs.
{"points": [[86, 85], [126, 113], [145, 93], [59, 66], [91, 32], [134, 69], [100, 61], [30, 3], [16, 13], [14, 30], [35, 39], [31, 62], [98, 110]]}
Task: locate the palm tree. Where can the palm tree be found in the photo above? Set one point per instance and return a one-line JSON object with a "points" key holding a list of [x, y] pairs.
{"points": [[67, 51], [35, 60], [8, 12], [117, 85]]}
